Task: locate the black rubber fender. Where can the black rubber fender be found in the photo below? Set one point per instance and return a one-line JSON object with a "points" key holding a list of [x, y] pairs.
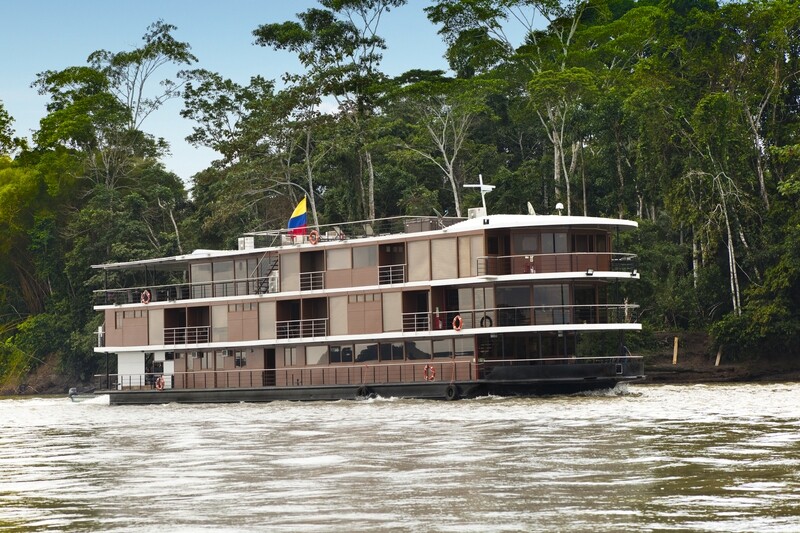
{"points": [[452, 392]]}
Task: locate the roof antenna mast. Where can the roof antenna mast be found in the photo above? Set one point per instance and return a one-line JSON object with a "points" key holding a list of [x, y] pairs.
{"points": [[483, 188]]}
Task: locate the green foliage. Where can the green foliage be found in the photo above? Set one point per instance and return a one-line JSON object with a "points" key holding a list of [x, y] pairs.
{"points": [[681, 114]]}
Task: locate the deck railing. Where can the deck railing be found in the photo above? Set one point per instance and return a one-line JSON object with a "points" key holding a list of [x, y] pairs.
{"points": [[390, 274], [449, 370], [312, 281], [292, 329], [189, 291], [503, 265], [187, 335], [522, 316]]}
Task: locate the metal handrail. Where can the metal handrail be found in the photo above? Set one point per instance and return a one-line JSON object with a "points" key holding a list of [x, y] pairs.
{"points": [[189, 290], [390, 274], [293, 329], [187, 335], [312, 281], [546, 263], [444, 370], [536, 315]]}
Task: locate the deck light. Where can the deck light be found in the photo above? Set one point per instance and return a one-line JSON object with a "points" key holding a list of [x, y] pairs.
{"points": [[634, 273], [589, 271]]}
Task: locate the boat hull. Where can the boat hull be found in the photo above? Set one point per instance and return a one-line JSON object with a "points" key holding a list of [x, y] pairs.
{"points": [[529, 380]]}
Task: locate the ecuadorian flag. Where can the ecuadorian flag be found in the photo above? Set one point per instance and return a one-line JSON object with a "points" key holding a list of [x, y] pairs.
{"points": [[297, 224]]}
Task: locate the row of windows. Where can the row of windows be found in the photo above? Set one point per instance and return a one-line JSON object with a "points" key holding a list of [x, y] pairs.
{"points": [[360, 298], [202, 360], [372, 352], [119, 316], [232, 308]]}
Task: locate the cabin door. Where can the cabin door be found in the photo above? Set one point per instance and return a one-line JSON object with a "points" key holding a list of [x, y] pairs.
{"points": [[269, 367]]}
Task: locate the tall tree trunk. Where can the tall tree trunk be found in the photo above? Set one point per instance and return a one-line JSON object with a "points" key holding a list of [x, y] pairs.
{"points": [[370, 185]]}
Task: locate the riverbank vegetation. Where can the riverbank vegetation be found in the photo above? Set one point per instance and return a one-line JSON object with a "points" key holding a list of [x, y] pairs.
{"points": [[681, 114]]}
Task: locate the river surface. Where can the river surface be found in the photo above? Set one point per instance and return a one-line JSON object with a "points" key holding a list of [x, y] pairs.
{"points": [[643, 458]]}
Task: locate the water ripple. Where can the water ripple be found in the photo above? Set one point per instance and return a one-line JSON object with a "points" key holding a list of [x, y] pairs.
{"points": [[646, 458]]}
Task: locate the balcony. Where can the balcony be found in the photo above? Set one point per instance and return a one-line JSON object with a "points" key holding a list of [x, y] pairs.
{"points": [[312, 281], [561, 262], [187, 335], [391, 274], [293, 329], [189, 291], [545, 315]]}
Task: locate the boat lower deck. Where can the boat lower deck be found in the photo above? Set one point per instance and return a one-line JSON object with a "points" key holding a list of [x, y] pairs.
{"points": [[528, 380]]}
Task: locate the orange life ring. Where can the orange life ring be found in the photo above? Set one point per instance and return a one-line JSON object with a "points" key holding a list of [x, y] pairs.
{"points": [[458, 323], [160, 383], [313, 237], [145, 298], [429, 373]]}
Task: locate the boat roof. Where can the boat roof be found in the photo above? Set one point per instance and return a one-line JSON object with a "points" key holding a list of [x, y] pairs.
{"points": [[478, 223]]}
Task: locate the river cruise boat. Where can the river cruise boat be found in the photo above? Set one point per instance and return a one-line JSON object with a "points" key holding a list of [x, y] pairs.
{"points": [[420, 307]]}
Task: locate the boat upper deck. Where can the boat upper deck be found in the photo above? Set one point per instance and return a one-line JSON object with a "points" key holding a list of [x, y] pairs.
{"points": [[383, 252]]}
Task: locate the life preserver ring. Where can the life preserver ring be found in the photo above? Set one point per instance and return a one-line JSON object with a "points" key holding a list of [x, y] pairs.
{"points": [[458, 323], [429, 373], [160, 383], [486, 321], [145, 297], [313, 237]]}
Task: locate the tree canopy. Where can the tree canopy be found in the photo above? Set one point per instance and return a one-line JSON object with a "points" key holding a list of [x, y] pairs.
{"points": [[684, 115]]}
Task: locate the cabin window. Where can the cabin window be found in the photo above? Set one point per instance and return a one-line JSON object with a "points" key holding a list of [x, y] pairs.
{"points": [[223, 271], [290, 357], [365, 256], [339, 259], [366, 352], [484, 298], [391, 352], [316, 355], [513, 305], [418, 349], [554, 243], [550, 302], [240, 359], [341, 354], [241, 274], [201, 278], [464, 346], [526, 243], [118, 320], [442, 348]]}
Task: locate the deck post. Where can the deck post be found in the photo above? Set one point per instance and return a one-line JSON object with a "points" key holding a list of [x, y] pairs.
{"points": [[675, 352]]}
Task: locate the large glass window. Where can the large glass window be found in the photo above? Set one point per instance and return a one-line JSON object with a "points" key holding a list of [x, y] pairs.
{"points": [[464, 346], [554, 243], [316, 355], [442, 348], [201, 278], [418, 349], [526, 243], [391, 352], [513, 305], [549, 301], [223, 271], [290, 357], [339, 259], [366, 352], [365, 256], [341, 354]]}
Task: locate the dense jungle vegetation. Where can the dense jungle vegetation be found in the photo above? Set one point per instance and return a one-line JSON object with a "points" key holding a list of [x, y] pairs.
{"points": [[681, 114]]}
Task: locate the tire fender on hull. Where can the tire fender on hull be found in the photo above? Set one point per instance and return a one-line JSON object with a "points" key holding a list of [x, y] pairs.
{"points": [[452, 392]]}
